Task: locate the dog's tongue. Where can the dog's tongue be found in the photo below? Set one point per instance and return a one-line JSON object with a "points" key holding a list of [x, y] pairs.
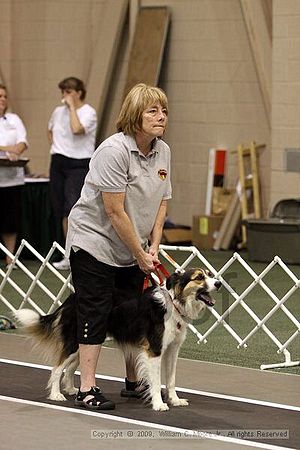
{"points": [[207, 299]]}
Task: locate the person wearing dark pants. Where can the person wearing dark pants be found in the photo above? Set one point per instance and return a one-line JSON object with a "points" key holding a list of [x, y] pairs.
{"points": [[13, 142], [116, 226], [72, 133]]}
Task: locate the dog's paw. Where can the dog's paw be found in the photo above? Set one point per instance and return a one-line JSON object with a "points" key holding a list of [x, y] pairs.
{"points": [[72, 390], [160, 406], [58, 397], [179, 402]]}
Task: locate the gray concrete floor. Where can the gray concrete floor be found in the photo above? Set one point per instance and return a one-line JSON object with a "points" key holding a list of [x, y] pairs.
{"points": [[34, 428]]}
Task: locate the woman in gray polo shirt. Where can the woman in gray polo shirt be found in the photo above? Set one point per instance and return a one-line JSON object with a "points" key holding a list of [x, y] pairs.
{"points": [[115, 227]]}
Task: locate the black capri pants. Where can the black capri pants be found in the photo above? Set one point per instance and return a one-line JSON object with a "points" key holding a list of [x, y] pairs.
{"points": [[11, 205], [66, 180], [94, 283]]}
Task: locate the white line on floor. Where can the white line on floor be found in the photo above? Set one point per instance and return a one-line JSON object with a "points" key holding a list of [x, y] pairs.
{"points": [[183, 431], [186, 390]]}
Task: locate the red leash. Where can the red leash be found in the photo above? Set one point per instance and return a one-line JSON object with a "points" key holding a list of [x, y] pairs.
{"points": [[161, 272]]}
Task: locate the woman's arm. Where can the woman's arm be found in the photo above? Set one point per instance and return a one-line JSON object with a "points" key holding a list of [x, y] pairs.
{"points": [[50, 136], [76, 125], [114, 207], [156, 233], [14, 151]]}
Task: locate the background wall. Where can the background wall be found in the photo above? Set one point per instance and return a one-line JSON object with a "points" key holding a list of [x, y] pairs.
{"points": [[208, 72], [286, 96], [42, 42]]}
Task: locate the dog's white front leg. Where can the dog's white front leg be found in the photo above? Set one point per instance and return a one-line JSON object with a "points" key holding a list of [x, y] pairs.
{"points": [[56, 373], [154, 364], [54, 383], [169, 361]]}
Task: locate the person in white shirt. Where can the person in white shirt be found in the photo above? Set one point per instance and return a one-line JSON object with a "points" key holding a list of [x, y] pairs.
{"points": [[13, 142], [72, 134]]}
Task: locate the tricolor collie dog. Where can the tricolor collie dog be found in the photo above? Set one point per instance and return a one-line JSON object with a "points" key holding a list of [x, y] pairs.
{"points": [[150, 329]]}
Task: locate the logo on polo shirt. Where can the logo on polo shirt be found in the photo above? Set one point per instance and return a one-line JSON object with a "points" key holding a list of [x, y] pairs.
{"points": [[162, 173]]}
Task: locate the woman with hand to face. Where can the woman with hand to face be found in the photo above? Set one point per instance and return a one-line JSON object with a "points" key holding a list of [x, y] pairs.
{"points": [[116, 226], [72, 133], [13, 142]]}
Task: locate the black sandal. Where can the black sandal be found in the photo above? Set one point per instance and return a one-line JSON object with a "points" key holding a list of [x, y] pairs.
{"points": [[134, 389], [97, 402]]}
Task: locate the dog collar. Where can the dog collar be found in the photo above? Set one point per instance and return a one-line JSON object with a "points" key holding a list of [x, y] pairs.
{"points": [[170, 297]]}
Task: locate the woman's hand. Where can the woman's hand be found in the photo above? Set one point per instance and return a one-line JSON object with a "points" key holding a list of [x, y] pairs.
{"points": [[12, 156], [153, 251], [146, 262], [69, 101], [13, 152]]}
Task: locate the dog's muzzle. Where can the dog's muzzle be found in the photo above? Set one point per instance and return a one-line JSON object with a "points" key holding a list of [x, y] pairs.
{"points": [[205, 297]]}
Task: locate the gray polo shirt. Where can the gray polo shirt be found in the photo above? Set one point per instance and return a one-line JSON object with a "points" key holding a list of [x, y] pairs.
{"points": [[118, 166]]}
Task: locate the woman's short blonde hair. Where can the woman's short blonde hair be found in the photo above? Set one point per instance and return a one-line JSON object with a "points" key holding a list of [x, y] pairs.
{"points": [[139, 98]]}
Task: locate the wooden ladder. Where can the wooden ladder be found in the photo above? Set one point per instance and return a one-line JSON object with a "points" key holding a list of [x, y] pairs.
{"points": [[249, 185]]}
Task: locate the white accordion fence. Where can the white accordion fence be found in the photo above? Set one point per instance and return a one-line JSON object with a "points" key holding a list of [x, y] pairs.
{"points": [[38, 296]]}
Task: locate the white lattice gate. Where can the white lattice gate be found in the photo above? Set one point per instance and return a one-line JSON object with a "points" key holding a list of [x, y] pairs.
{"points": [[38, 295], [194, 256]]}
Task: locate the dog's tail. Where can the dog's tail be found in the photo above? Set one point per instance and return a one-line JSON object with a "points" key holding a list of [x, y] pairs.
{"points": [[27, 317], [54, 334]]}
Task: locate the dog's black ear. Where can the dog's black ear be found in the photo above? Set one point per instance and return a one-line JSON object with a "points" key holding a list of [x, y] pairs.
{"points": [[172, 280]]}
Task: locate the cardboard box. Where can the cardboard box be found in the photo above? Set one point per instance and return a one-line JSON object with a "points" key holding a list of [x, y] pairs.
{"points": [[205, 230], [176, 235], [222, 197]]}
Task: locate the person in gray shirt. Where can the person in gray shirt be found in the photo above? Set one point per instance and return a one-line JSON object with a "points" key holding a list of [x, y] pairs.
{"points": [[116, 226]]}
